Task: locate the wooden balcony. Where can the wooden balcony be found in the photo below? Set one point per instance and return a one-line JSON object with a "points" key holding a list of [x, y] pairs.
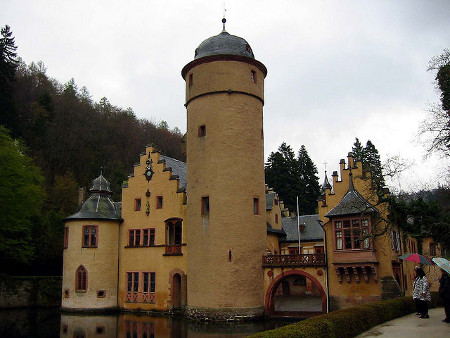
{"points": [[280, 261]]}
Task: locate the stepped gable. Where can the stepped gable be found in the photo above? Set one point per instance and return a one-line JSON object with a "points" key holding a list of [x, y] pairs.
{"points": [[312, 230], [99, 204], [352, 203], [176, 167]]}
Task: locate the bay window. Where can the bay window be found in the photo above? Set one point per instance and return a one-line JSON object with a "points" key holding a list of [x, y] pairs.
{"points": [[352, 233]]}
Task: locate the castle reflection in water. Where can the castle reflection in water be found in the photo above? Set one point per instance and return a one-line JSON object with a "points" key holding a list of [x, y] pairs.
{"points": [[145, 326]]}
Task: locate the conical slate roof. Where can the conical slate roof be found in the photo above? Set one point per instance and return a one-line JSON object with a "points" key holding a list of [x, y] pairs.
{"points": [[98, 205], [352, 203], [326, 184]]}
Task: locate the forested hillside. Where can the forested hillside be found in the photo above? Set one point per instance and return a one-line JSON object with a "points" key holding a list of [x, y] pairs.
{"points": [[70, 138], [68, 132]]}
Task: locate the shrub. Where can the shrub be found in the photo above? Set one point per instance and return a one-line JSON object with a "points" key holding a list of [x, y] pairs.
{"points": [[347, 322]]}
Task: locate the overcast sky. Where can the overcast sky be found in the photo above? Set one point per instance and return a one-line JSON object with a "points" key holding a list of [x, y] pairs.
{"points": [[336, 69]]}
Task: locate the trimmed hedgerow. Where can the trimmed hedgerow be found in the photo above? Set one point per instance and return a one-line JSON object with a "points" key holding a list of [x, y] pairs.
{"points": [[347, 322]]}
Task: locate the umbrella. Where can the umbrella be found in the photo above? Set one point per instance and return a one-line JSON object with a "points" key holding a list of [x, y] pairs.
{"points": [[443, 263], [414, 257]]}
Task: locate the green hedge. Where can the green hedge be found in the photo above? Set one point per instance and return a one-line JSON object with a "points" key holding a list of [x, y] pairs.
{"points": [[348, 322]]}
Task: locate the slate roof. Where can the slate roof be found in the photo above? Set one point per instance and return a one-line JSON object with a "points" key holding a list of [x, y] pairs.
{"points": [[278, 232], [270, 197], [100, 184], [178, 169], [224, 44], [98, 205], [351, 204], [326, 184], [312, 230]]}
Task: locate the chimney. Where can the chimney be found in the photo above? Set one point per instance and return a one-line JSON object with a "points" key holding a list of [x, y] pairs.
{"points": [[81, 193]]}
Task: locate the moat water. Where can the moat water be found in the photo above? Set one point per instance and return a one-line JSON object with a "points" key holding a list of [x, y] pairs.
{"points": [[52, 323]]}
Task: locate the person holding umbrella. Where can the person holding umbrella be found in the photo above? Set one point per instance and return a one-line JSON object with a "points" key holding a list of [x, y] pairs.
{"points": [[421, 293], [444, 288]]}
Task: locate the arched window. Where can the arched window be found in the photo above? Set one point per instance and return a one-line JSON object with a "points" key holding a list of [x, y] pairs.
{"points": [[81, 279]]}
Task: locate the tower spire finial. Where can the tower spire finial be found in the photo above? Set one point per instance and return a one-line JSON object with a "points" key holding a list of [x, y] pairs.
{"points": [[223, 19]]}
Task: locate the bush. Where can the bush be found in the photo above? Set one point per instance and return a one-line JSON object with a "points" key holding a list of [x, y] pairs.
{"points": [[348, 322]]}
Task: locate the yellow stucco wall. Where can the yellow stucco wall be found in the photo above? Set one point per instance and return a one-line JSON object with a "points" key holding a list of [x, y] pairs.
{"points": [[151, 259], [101, 264], [228, 166], [223, 76]]}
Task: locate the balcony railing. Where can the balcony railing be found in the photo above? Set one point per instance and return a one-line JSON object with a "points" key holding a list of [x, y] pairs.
{"points": [[273, 261], [173, 250]]}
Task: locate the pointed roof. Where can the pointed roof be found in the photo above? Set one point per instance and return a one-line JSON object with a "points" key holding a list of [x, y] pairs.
{"points": [[352, 203], [99, 204], [326, 184], [100, 185]]}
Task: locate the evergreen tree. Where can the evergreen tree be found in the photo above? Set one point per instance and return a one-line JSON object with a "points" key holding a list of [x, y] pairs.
{"points": [[8, 66], [280, 172], [309, 183], [358, 150], [291, 177], [371, 163]]}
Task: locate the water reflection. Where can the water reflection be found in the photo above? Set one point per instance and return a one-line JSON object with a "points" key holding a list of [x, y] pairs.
{"points": [[50, 323], [142, 326]]}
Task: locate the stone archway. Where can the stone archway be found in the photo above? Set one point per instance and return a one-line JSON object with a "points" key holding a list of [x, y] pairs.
{"points": [[311, 286]]}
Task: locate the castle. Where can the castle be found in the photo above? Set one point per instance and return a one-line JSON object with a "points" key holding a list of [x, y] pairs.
{"points": [[209, 239]]}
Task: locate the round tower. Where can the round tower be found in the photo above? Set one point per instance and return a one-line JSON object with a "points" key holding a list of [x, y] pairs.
{"points": [[226, 230], [91, 236]]}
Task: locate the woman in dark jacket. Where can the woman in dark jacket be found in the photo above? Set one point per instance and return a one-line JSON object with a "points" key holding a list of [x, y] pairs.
{"points": [[444, 292]]}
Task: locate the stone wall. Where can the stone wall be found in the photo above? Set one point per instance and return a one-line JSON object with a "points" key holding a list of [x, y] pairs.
{"points": [[27, 291]]}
